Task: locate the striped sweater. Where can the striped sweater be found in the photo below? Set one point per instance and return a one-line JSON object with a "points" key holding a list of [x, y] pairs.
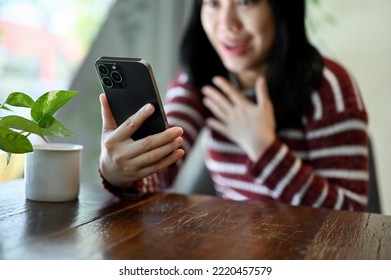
{"points": [[322, 163]]}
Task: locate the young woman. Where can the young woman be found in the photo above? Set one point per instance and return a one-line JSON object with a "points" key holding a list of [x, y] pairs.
{"points": [[285, 124]]}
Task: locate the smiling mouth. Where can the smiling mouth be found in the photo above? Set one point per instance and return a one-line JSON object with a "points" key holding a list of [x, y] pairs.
{"points": [[235, 47]]}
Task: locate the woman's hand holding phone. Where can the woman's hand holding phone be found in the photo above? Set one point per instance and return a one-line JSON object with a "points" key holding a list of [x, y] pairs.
{"points": [[123, 161]]}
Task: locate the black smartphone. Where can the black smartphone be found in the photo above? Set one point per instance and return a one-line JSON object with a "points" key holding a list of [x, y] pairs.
{"points": [[129, 84]]}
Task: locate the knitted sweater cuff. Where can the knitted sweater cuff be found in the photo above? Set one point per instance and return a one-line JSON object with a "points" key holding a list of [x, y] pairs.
{"points": [[129, 192]]}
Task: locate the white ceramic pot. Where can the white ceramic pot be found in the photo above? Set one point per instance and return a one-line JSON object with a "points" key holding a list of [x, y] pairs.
{"points": [[52, 172]]}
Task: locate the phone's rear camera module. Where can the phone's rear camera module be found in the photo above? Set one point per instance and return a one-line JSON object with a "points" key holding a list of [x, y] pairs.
{"points": [[103, 69], [116, 76], [107, 82]]}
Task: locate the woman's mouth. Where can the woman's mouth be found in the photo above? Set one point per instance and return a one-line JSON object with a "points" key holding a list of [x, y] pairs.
{"points": [[235, 47]]}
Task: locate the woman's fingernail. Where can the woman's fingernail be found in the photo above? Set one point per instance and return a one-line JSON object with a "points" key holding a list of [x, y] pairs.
{"points": [[178, 130], [148, 108]]}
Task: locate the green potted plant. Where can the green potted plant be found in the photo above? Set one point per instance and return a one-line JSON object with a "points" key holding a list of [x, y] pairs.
{"points": [[52, 170], [15, 129]]}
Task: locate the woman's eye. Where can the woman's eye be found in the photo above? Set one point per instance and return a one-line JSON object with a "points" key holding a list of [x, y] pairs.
{"points": [[210, 3], [246, 2]]}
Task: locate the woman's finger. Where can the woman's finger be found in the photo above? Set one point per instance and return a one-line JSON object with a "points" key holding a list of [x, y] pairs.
{"points": [[261, 91], [161, 164], [157, 154], [153, 142], [216, 102], [228, 89], [133, 123]]}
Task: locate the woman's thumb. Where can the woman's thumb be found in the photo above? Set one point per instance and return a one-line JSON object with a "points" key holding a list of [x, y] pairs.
{"points": [[108, 123]]}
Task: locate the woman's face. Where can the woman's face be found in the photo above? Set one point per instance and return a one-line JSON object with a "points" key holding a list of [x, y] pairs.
{"points": [[241, 31]]}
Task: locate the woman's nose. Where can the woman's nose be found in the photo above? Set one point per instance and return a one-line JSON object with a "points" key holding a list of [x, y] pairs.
{"points": [[229, 19]]}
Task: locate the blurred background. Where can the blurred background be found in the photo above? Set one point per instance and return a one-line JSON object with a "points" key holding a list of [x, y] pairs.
{"points": [[47, 45]]}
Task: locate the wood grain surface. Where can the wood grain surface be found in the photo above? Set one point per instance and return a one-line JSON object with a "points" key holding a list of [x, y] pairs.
{"points": [[172, 226]]}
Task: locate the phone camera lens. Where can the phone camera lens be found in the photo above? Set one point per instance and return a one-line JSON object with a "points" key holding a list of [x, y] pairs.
{"points": [[116, 76], [107, 82], [103, 69]]}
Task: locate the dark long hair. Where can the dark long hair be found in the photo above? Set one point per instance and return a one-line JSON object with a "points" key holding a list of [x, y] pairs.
{"points": [[294, 65]]}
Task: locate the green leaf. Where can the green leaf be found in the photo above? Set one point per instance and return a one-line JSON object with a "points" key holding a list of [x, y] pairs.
{"points": [[48, 104], [3, 107], [19, 99], [14, 142], [56, 129], [22, 124]]}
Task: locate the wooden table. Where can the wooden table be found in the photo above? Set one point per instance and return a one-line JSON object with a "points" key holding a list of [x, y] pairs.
{"points": [[171, 226]]}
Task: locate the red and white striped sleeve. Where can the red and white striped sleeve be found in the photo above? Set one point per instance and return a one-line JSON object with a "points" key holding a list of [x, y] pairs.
{"points": [[326, 164]]}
